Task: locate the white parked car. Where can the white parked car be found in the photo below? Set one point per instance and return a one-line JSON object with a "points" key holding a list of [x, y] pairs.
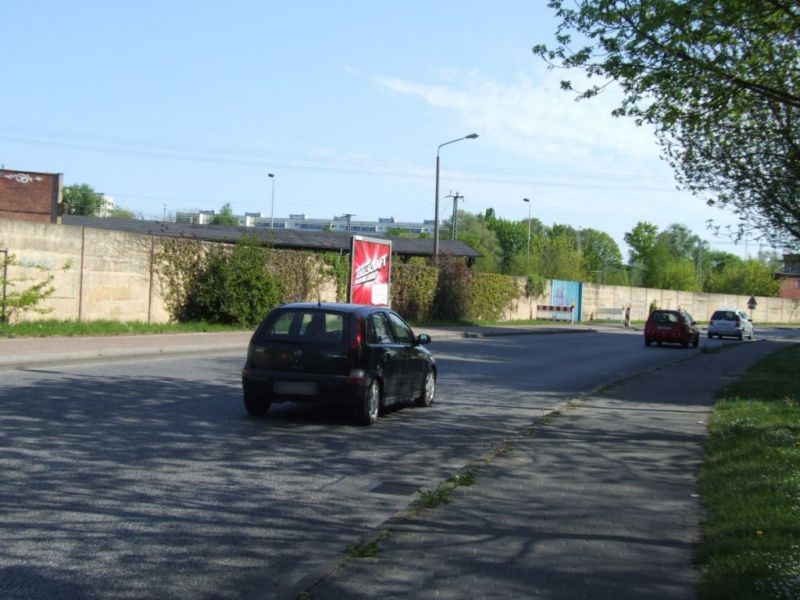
{"points": [[730, 322]]}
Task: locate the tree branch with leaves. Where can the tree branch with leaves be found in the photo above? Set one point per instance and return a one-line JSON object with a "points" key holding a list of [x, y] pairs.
{"points": [[720, 82]]}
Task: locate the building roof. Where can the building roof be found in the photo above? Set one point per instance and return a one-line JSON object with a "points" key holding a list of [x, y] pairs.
{"points": [[295, 239]]}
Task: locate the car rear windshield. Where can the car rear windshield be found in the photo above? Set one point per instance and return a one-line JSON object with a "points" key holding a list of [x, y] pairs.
{"points": [[304, 326], [724, 315], [664, 317]]}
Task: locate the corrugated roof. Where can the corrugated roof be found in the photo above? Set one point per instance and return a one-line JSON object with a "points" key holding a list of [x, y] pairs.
{"points": [[279, 238]]}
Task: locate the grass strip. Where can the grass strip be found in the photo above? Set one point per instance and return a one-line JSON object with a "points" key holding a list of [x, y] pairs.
{"points": [[750, 485], [48, 328]]}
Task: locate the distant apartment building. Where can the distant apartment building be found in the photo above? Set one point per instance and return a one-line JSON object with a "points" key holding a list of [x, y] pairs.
{"points": [[343, 223], [107, 205]]}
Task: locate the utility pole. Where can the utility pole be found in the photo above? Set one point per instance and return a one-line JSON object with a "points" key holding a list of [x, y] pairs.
{"points": [[5, 279], [349, 217], [272, 204], [454, 228]]}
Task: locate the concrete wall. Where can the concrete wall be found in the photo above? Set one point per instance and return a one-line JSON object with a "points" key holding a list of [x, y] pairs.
{"points": [[96, 274], [700, 305], [109, 276]]}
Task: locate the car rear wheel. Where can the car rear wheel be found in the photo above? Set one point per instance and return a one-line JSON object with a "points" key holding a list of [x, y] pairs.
{"points": [[696, 342], [428, 390], [647, 342], [254, 400], [366, 410]]}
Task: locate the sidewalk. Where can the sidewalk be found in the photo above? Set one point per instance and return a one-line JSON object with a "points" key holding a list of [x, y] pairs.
{"points": [[597, 502]]}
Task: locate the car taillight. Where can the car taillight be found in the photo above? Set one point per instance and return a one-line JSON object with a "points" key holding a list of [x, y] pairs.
{"points": [[738, 322], [355, 343]]}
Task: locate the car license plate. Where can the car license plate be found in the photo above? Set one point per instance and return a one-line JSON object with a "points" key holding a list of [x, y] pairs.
{"points": [[664, 328], [296, 388]]}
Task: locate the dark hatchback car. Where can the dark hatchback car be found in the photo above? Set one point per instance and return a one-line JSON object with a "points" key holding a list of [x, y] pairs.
{"points": [[362, 357], [671, 326]]}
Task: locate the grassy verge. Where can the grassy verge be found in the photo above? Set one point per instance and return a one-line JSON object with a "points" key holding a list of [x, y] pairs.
{"points": [[750, 484], [77, 328]]}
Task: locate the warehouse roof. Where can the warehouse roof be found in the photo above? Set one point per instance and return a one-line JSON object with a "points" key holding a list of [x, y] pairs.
{"points": [[295, 239]]}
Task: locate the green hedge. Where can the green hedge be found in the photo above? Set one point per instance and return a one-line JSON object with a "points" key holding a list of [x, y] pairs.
{"points": [[413, 290], [452, 292], [239, 284], [489, 295]]}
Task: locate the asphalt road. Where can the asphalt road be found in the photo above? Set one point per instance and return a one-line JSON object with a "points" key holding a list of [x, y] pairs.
{"points": [[146, 479]]}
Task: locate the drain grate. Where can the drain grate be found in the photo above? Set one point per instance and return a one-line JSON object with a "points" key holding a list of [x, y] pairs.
{"points": [[395, 488]]}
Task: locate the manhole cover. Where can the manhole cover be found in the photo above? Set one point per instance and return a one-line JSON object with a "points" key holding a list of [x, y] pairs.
{"points": [[395, 488]]}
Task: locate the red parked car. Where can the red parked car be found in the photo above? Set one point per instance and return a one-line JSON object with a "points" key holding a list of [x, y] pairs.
{"points": [[671, 326]]}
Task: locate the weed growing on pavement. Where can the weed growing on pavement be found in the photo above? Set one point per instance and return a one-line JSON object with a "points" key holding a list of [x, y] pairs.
{"points": [[750, 485], [436, 497], [443, 493], [463, 479], [364, 549]]}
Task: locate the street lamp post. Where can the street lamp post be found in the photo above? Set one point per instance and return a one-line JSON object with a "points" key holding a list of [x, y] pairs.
{"points": [[527, 200], [5, 278], [272, 206], [471, 136]]}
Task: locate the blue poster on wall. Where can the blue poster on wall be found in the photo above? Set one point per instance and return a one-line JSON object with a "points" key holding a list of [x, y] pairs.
{"points": [[567, 293]]}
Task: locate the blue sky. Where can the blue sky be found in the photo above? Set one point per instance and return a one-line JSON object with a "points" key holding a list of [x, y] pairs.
{"points": [[180, 106]]}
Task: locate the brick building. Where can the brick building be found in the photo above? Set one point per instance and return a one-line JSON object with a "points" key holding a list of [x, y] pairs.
{"points": [[30, 196], [790, 277]]}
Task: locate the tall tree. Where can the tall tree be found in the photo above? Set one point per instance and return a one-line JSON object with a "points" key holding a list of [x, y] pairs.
{"points": [[474, 231], [601, 258], [82, 199], [556, 257], [512, 236], [641, 239], [754, 276], [719, 80], [225, 217]]}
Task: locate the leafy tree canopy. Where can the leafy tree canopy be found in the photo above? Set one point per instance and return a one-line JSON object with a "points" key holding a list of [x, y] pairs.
{"points": [[121, 213], [82, 200], [753, 276], [225, 217], [720, 82]]}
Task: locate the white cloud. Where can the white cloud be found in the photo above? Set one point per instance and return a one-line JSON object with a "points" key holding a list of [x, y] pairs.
{"points": [[531, 115]]}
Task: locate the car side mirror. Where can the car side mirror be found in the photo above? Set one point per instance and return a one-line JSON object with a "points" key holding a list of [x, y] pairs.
{"points": [[423, 339]]}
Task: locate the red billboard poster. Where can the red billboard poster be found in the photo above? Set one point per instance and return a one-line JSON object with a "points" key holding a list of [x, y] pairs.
{"points": [[370, 270]]}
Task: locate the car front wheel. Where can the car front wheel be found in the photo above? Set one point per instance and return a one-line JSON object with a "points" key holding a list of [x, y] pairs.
{"points": [[366, 409], [428, 390]]}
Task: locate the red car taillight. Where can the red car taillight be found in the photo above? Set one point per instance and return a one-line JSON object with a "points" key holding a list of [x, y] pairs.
{"points": [[354, 353], [356, 375]]}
